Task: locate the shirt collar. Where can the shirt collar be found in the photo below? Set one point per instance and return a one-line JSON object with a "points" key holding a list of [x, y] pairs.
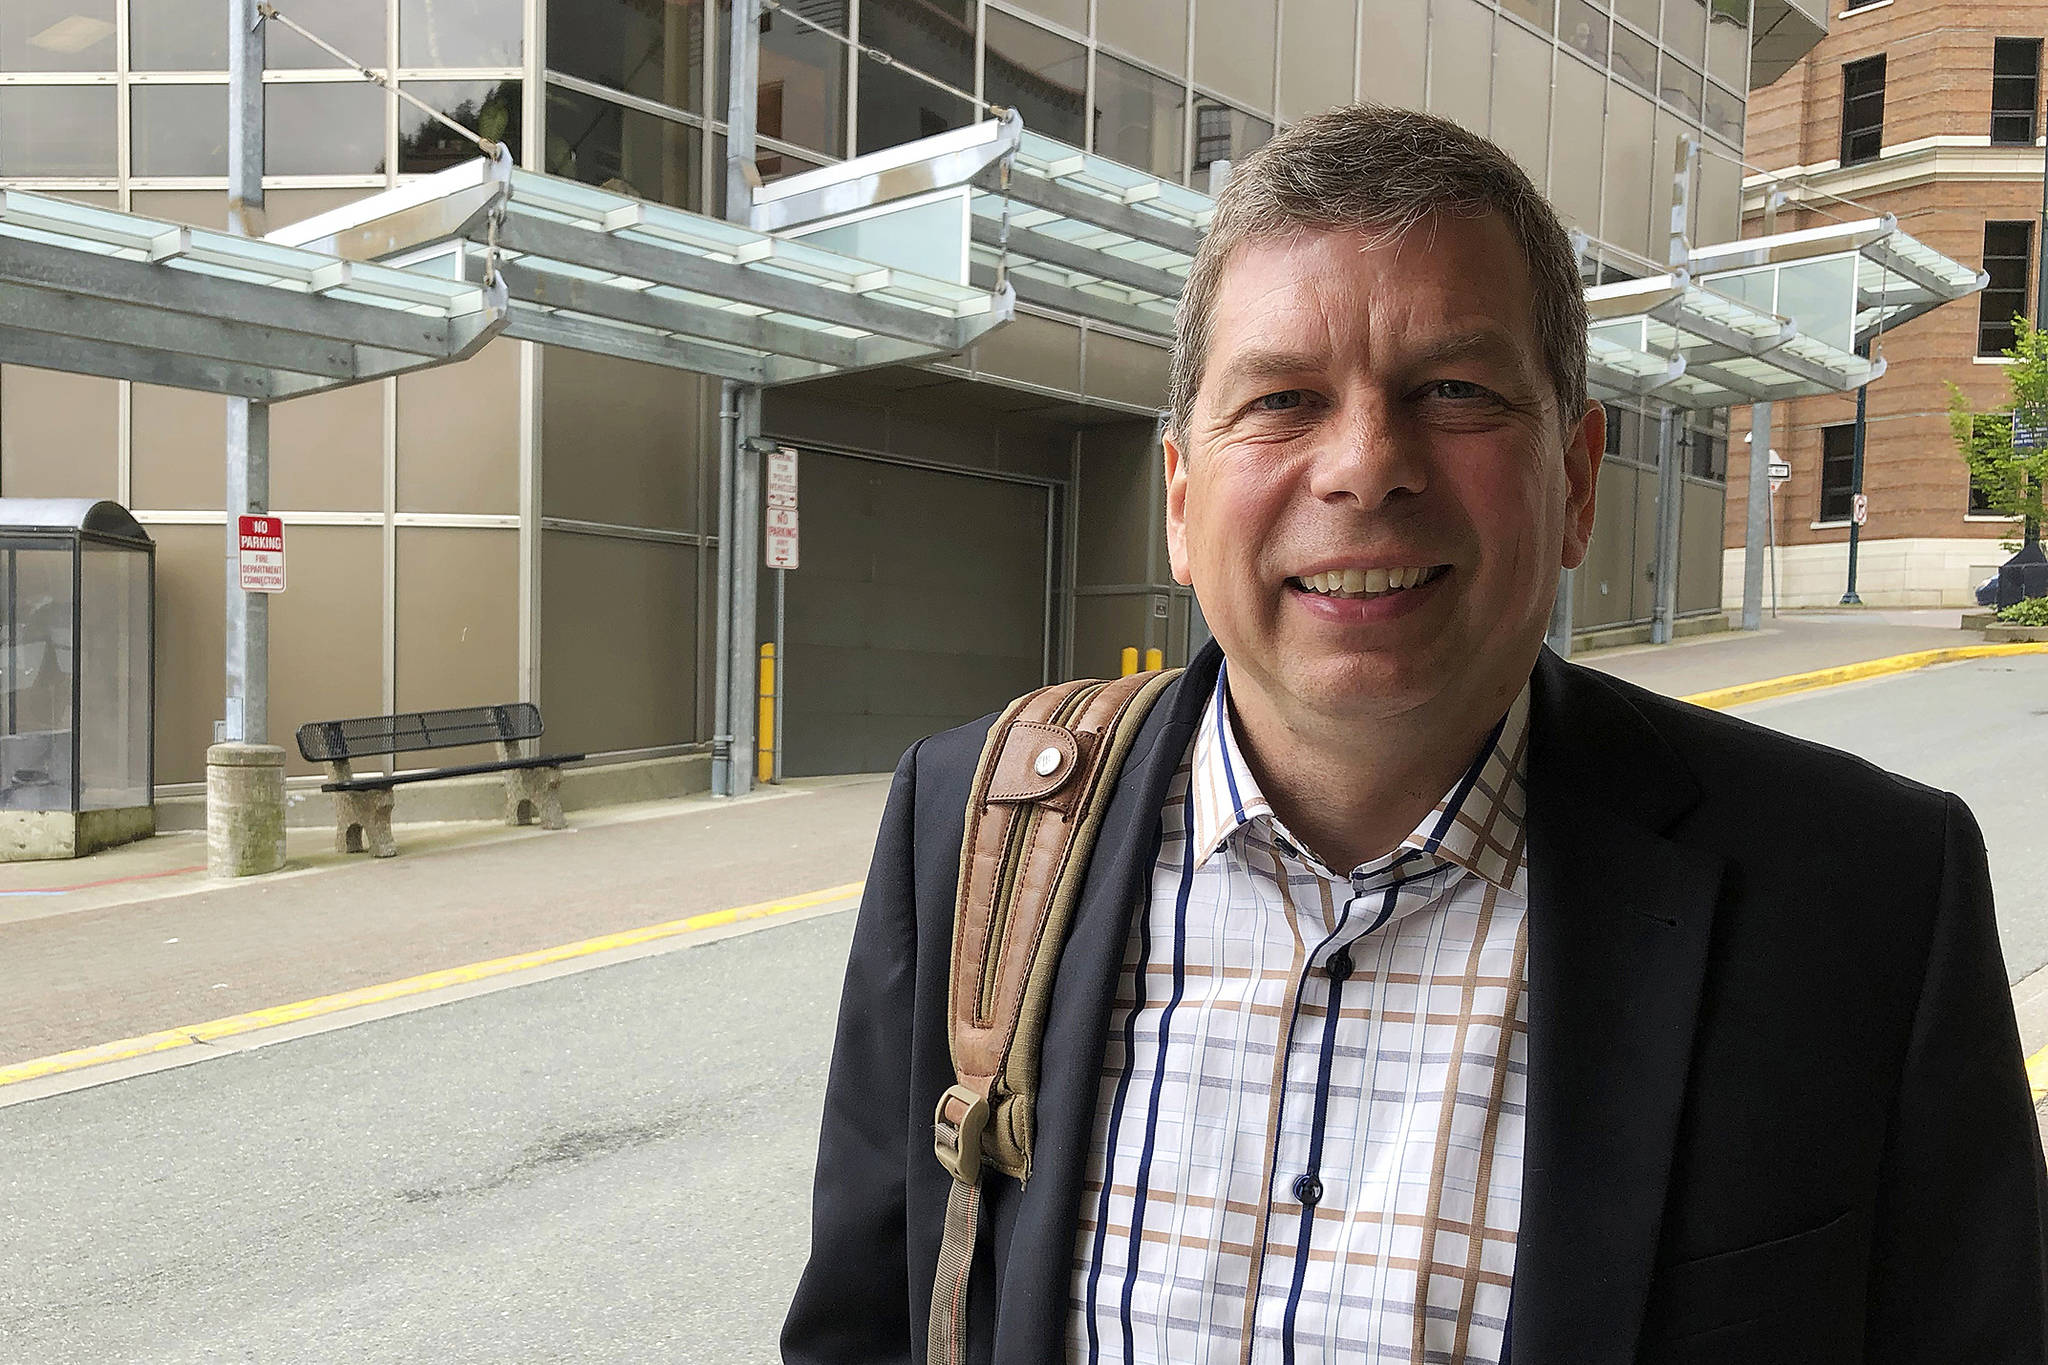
{"points": [[1479, 825]]}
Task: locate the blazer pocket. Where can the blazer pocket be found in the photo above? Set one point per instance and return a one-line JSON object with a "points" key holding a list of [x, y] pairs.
{"points": [[1805, 1283]]}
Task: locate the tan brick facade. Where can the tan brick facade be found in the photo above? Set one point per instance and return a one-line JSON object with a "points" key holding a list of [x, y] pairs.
{"points": [[1943, 180]]}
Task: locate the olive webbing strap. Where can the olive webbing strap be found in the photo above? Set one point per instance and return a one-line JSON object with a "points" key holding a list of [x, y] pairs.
{"points": [[1097, 724]]}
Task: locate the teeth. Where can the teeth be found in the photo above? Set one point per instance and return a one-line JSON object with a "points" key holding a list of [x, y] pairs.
{"points": [[1356, 582]]}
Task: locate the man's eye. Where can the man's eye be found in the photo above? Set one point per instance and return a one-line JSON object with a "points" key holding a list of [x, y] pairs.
{"points": [[1456, 389], [1283, 401]]}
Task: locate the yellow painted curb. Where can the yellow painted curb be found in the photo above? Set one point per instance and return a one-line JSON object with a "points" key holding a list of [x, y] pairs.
{"points": [[1723, 697], [2037, 1074], [124, 1048]]}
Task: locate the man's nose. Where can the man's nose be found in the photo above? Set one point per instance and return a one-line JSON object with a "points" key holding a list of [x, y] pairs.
{"points": [[1369, 457]]}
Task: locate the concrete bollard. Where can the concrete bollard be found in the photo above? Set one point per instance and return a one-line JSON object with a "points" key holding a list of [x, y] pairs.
{"points": [[244, 809]]}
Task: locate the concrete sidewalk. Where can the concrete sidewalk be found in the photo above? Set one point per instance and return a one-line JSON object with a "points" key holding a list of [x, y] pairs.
{"points": [[1796, 642]]}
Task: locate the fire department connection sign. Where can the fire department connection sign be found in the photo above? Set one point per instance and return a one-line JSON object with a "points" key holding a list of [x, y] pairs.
{"points": [[262, 554], [779, 544]]}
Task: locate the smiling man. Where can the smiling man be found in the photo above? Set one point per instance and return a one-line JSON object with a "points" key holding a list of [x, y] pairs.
{"points": [[1429, 998]]}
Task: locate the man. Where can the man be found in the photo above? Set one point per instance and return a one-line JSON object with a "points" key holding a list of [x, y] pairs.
{"points": [[1430, 998]]}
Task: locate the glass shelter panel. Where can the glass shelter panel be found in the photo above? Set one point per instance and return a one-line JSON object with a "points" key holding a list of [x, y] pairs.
{"points": [[113, 678], [36, 663]]}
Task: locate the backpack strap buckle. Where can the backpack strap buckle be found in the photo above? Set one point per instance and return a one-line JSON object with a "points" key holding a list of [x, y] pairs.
{"points": [[957, 1126]]}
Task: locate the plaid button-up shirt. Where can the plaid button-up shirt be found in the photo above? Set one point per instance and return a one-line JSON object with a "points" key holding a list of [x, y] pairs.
{"points": [[1308, 1145]]}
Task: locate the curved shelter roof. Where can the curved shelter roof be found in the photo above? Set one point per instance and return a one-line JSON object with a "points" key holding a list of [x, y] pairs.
{"points": [[92, 516]]}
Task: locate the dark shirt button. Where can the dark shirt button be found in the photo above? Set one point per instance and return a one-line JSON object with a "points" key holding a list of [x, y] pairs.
{"points": [[1308, 1190], [1339, 965]]}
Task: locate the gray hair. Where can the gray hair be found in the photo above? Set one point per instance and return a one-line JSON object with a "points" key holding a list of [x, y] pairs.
{"points": [[1369, 168]]}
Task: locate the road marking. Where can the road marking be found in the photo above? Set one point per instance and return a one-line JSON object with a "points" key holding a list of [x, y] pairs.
{"points": [[124, 1049], [2037, 1074], [106, 881], [1721, 698]]}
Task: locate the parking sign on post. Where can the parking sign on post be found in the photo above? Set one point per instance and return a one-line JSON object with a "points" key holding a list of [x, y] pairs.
{"points": [[262, 557]]}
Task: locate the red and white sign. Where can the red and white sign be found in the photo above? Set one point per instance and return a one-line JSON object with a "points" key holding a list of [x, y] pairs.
{"points": [[1859, 509], [262, 554], [781, 539], [782, 478]]}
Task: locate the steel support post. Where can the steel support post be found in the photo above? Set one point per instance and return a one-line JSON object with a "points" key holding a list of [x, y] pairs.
{"points": [[247, 710], [1670, 487], [744, 640], [1757, 528], [721, 740]]}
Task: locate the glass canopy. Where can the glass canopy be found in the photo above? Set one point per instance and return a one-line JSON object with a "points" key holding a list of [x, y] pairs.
{"points": [[96, 291], [599, 271]]}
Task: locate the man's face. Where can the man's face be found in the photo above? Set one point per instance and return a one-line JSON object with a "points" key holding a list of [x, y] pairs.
{"points": [[1379, 413]]}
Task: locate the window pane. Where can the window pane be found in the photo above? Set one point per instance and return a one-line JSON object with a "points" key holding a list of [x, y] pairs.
{"points": [[57, 130], [1223, 134], [1139, 117], [490, 108], [1685, 29], [460, 32], [1040, 74], [1728, 43], [330, 128], [57, 35], [1862, 109], [2006, 249], [1641, 13], [624, 150], [180, 129], [1537, 12], [1837, 471], [1680, 88], [801, 94], [654, 51], [896, 107], [354, 26], [1724, 114], [177, 35], [2015, 89], [1584, 30], [1635, 58]]}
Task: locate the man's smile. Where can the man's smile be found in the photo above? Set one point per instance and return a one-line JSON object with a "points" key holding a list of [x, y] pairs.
{"points": [[1351, 583]]}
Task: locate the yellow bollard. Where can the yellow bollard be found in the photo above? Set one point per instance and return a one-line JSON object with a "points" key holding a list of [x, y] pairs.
{"points": [[1130, 661], [764, 732], [1155, 659]]}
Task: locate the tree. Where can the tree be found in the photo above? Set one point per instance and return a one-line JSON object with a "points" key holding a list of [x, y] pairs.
{"points": [[2010, 479]]}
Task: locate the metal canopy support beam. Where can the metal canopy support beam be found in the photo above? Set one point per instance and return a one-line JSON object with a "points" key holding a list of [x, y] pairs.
{"points": [[585, 334], [1757, 524], [210, 338], [1635, 385], [1039, 192], [247, 709], [1071, 300], [1082, 260], [111, 360]]}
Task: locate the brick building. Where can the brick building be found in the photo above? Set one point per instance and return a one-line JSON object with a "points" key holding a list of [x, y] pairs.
{"points": [[1928, 110]]}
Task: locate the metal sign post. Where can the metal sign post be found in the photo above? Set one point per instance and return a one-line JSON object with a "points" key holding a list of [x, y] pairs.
{"points": [[247, 704], [1779, 472], [781, 556]]}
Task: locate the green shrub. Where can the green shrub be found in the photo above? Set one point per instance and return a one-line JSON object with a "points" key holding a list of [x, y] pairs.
{"points": [[2032, 612]]}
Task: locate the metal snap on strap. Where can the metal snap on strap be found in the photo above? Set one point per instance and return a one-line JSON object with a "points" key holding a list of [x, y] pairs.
{"points": [[1048, 762]]}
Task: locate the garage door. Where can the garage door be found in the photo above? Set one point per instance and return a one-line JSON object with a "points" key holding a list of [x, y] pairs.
{"points": [[920, 605]]}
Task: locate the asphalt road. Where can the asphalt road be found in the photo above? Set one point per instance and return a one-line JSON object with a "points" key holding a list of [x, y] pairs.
{"points": [[612, 1165]]}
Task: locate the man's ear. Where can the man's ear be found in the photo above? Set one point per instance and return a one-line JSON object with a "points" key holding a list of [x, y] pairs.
{"points": [[1583, 451], [1177, 511]]}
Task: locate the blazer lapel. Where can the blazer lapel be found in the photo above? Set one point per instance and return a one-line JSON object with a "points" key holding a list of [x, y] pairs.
{"points": [[1040, 1262], [1619, 916]]}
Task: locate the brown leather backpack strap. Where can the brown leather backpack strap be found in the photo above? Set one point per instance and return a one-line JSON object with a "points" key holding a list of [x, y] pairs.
{"points": [[1046, 775]]}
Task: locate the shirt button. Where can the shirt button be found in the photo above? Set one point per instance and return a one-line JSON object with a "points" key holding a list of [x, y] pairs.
{"points": [[1308, 1190], [1339, 965]]}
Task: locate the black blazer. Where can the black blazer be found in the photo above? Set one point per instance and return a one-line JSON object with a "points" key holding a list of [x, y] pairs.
{"points": [[1777, 1107]]}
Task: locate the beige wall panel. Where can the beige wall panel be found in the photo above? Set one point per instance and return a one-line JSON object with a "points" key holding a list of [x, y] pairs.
{"points": [[1630, 172], [1460, 61], [1126, 371], [1156, 32], [618, 643], [1521, 99], [327, 451], [1317, 38], [1072, 13], [619, 439], [1103, 628], [326, 633], [178, 449], [1035, 350], [1393, 49], [1701, 511], [191, 589], [1234, 50], [458, 435], [59, 434], [1719, 213], [1579, 97], [1114, 505], [458, 622], [199, 208], [1601, 586]]}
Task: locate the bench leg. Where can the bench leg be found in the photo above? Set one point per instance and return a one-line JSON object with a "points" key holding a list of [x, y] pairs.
{"points": [[363, 818], [534, 796]]}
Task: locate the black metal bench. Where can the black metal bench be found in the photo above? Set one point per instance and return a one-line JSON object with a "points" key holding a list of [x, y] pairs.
{"points": [[362, 805]]}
